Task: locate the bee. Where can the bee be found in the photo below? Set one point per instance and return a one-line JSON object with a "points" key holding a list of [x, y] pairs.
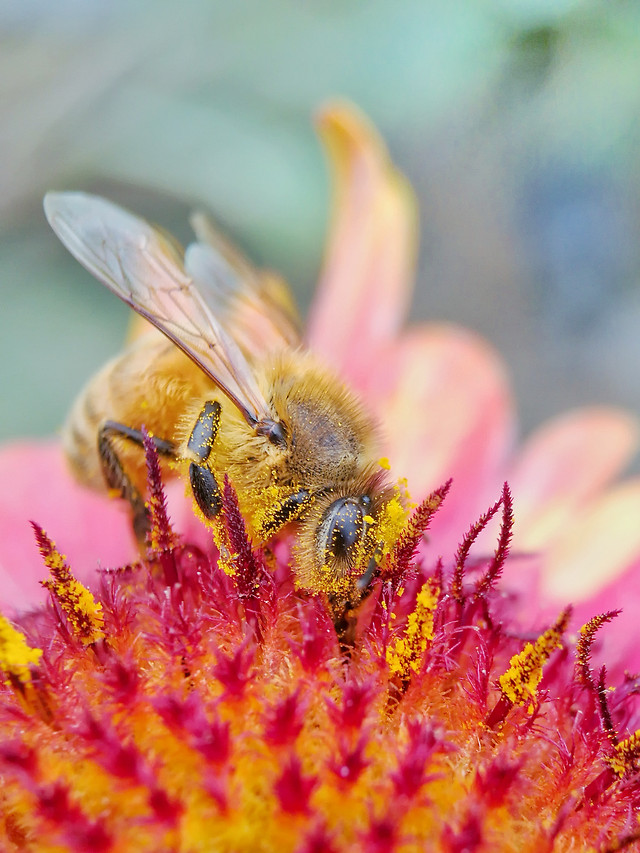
{"points": [[225, 387]]}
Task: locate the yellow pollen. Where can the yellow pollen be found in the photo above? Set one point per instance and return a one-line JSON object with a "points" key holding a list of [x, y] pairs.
{"points": [[263, 507], [392, 520], [520, 682], [83, 612], [405, 653], [624, 760]]}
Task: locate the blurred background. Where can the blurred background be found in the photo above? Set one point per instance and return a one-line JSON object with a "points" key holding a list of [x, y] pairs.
{"points": [[517, 122]]}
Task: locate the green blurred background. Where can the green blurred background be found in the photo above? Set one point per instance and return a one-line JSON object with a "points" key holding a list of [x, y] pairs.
{"points": [[516, 121]]}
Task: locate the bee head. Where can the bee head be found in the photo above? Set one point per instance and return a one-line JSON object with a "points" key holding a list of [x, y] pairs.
{"points": [[342, 530], [339, 537]]}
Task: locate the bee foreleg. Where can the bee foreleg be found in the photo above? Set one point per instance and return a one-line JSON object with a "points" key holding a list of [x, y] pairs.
{"points": [[345, 613], [289, 510], [363, 584], [116, 477]]}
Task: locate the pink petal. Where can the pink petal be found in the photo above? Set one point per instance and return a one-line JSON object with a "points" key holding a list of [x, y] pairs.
{"points": [[89, 529], [564, 465], [92, 530], [596, 548], [183, 517], [365, 285], [447, 412], [617, 642]]}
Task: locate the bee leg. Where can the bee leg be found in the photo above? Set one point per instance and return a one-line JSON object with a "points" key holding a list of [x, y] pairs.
{"points": [[117, 478], [204, 432], [363, 584], [346, 612], [205, 490], [345, 620], [288, 511], [203, 484]]}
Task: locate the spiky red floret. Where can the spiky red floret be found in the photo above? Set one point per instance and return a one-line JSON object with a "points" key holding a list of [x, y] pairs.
{"points": [[72, 826], [405, 548], [284, 722], [466, 838], [351, 762], [412, 765], [232, 671], [494, 783], [186, 717], [255, 584], [162, 540], [494, 570], [317, 642], [317, 840], [212, 713], [381, 836], [354, 707], [462, 554], [293, 788]]}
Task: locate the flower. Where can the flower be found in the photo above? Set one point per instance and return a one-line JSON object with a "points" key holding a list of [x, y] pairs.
{"points": [[195, 698], [187, 707]]}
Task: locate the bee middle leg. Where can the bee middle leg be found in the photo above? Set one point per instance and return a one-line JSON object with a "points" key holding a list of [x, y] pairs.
{"points": [[287, 511], [117, 478], [200, 444], [345, 613]]}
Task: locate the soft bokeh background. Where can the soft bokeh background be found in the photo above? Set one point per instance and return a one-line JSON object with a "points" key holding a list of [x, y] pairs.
{"points": [[516, 121]]}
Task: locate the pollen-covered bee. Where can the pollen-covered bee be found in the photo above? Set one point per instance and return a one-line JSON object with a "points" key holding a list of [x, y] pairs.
{"points": [[227, 388]]}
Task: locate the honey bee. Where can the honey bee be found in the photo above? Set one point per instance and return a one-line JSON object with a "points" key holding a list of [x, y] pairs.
{"points": [[224, 386]]}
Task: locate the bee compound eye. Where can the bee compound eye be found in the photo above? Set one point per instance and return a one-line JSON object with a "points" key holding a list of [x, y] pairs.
{"points": [[342, 527]]}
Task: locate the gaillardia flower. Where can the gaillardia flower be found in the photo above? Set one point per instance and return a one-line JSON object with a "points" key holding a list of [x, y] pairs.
{"points": [[196, 698]]}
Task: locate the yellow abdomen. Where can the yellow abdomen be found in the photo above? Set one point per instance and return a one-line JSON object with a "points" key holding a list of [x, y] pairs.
{"points": [[151, 383]]}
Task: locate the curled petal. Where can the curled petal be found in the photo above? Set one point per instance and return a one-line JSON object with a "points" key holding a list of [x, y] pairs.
{"points": [[564, 465], [366, 282]]}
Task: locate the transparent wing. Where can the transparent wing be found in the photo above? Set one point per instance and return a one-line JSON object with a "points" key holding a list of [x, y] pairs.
{"points": [[256, 307], [144, 269]]}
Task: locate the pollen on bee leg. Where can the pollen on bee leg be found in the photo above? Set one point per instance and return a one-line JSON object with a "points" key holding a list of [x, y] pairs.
{"points": [[274, 507], [204, 431]]}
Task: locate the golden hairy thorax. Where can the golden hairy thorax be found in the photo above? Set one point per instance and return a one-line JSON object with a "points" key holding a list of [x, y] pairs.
{"points": [[152, 383]]}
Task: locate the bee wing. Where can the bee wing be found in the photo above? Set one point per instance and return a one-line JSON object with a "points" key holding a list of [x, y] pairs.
{"points": [[144, 269], [255, 306]]}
